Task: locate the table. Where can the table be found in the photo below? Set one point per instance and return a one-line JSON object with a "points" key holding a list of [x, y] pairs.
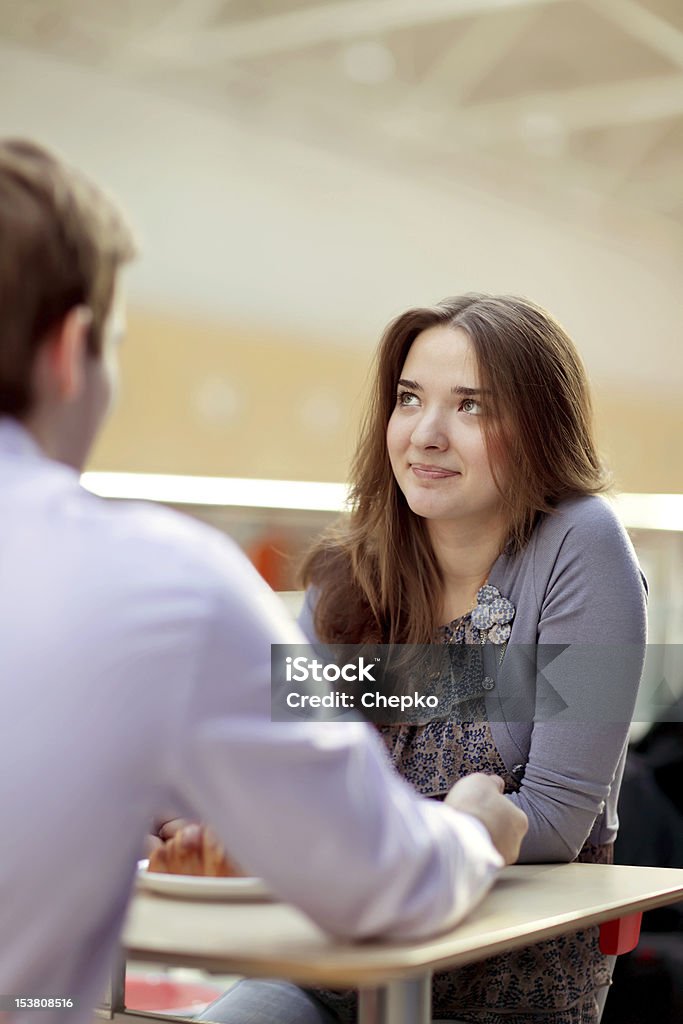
{"points": [[527, 904]]}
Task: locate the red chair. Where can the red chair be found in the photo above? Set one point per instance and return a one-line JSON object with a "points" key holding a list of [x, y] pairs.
{"points": [[157, 993], [616, 937], [621, 935]]}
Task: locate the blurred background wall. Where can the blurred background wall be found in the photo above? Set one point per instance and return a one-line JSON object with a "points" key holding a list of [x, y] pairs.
{"points": [[301, 171]]}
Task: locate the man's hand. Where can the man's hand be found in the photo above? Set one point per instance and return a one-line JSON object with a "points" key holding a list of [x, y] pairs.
{"points": [[168, 829], [482, 796], [193, 850], [163, 831], [151, 843]]}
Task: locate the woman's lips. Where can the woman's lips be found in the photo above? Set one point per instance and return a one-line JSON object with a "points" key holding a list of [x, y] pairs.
{"points": [[432, 472]]}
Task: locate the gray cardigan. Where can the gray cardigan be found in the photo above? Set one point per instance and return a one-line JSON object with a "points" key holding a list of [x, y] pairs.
{"points": [[559, 714]]}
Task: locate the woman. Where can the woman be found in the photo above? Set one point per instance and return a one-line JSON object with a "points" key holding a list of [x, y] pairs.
{"points": [[476, 519]]}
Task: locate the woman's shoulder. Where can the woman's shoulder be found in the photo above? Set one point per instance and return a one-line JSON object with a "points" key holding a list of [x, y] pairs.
{"points": [[580, 522], [306, 616], [583, 512], [330, 599], [586, 530]]}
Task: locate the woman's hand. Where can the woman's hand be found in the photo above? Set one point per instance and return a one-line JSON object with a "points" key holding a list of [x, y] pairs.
{"points": [[482, 796]]}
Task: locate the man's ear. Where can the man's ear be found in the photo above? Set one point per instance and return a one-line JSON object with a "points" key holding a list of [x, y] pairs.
{"points": [[66, 352]]}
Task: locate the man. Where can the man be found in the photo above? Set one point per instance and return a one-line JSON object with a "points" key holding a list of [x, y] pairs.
{"points": [[135, 663]]}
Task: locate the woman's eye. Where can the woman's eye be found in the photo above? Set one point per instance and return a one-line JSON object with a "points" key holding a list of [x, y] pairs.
{"points": [[471, 406], [406, 398]]}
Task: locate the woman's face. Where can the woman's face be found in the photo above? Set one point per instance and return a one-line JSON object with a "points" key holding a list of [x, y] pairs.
{"points": [[435, 438]]}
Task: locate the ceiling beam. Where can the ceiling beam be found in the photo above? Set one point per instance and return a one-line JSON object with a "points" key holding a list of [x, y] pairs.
{"points": [[457, 72], [591, 106], [646, 26], [342, 21], [186, 16], [471, 58]]}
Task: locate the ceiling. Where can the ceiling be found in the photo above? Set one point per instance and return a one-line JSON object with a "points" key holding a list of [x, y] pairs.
{"points": [[576, 103]]}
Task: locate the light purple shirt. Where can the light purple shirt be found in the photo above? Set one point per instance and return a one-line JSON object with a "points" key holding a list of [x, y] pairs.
{"points": [[135, 675]]}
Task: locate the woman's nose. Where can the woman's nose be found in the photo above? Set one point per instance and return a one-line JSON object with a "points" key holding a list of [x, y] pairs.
{"points": [[429, 432]]}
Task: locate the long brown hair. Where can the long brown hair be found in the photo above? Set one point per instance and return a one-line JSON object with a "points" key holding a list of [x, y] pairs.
{"points": [[375, 571]]}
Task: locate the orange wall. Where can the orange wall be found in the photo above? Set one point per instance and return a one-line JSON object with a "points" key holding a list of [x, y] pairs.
{"points": [[203, 398]]}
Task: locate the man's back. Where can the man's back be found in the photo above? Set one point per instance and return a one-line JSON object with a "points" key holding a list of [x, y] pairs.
{"points": [[136, 678], [102, 634]]}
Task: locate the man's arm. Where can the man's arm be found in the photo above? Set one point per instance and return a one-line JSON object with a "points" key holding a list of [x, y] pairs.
{"points": [[315, 808]]}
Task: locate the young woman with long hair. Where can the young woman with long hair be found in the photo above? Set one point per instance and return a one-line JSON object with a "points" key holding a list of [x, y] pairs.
{"points": [[477, 516]]}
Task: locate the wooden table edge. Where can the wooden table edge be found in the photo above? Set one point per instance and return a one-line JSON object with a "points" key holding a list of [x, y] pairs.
{"points": [[358, 976]]}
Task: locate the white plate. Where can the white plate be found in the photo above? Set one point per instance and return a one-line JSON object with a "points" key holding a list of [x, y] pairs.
{"points": [[201, 887]]}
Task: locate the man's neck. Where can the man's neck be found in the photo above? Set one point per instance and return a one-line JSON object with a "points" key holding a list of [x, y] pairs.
{"points": [[52, 436]]}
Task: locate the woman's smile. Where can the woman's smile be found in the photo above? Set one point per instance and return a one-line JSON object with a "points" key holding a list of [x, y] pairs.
{"points": [[426, 472]]}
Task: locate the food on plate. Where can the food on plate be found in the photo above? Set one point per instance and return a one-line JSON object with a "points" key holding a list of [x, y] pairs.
{"points": [[193, 850]]}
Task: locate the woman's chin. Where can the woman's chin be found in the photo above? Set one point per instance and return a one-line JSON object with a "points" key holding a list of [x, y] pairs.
{"points": [[429, 509]]}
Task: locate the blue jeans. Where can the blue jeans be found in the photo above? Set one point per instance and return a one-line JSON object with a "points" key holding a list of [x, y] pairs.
{"points": [[260, 1001], [266, 1001]]}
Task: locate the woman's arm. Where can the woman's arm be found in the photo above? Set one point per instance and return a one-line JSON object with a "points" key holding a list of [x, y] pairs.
{"points": [[593, 609]]}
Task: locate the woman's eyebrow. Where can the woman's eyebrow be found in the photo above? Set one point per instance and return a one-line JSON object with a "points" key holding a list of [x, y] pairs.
{"points": [[459, 389], [468, 392]]}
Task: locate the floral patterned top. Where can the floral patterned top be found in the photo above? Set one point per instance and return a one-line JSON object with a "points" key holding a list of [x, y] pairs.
{"points": [[553, 982]]}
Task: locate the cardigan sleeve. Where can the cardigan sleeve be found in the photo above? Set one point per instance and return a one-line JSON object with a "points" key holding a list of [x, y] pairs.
{"points": [[591, 636]]}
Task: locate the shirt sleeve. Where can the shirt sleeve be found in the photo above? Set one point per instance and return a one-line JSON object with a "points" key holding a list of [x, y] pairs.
{"points": [[591, 637], [314, 808]]}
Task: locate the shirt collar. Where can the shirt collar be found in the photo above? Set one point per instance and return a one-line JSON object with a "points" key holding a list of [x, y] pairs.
{"points": [[15, 439]]}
